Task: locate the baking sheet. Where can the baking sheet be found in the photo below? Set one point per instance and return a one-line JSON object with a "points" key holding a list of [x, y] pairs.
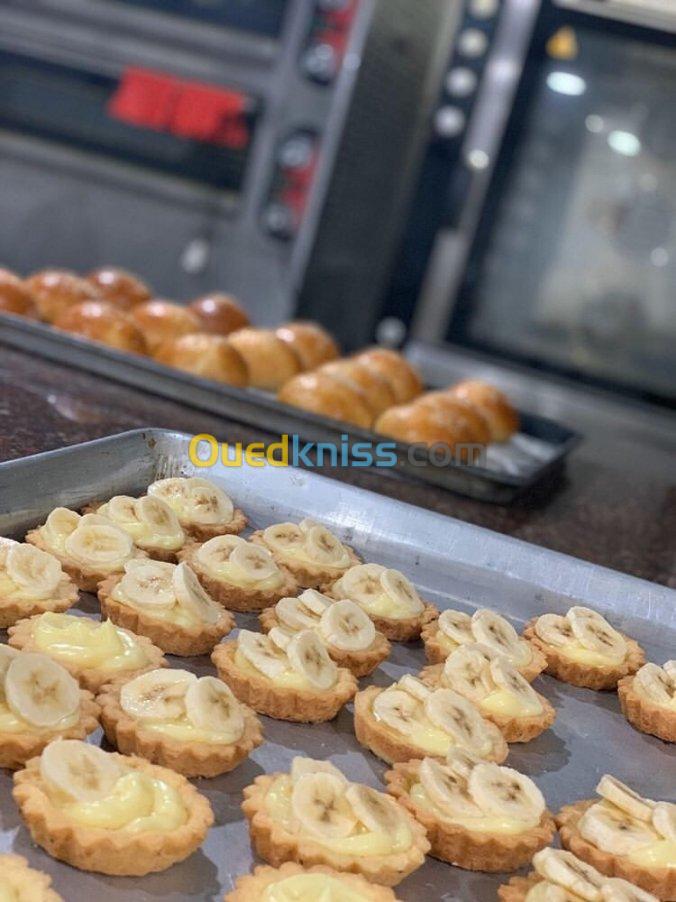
{"points": [[452, 563]]}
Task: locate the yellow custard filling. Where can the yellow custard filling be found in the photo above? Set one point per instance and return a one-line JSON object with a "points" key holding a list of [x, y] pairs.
{"points": [[231, 573], [485, 824], [10, 590], [661, 854], [577, 652], [361, 842], [426, 737], [309, 888], [502, 702], [88, 644], [183, 730], [12, 723], [143, 535], [7, 892], [384, 605], [290, 679], [178, 615]]}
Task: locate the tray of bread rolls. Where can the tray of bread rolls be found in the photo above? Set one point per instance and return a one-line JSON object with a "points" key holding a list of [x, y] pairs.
{"points": [[309, 692], [290, 380]]}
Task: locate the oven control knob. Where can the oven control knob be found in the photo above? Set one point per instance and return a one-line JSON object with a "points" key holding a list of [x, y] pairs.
{"points": [[461, 82], [296, 152], [483, 9], [449, 121], [278, 220], [320, 63], [472, 43]]}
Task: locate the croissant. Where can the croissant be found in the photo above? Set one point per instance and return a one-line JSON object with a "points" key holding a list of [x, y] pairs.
{"points": [[324, 394], [15, 297], [312, 344], [103, 322], [403, 378], [54, 289], [209, 356], [270, 361], [119, 287], [219, 313], [161, 320], [502, 418]]}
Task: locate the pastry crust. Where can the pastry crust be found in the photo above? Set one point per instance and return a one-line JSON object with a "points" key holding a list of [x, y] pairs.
{"points": [[361, 663], [36, 885], [18, 748], [644, 715], [251, 887], [406, 629], [91, 678], [306, 574], [518, 888], [172, 638], [111, 851], [276, 845], [583, 675], [193, 532], [282, 703], [192, 759], [389, 746], [661, 882], [465, 848], [13, 610]]}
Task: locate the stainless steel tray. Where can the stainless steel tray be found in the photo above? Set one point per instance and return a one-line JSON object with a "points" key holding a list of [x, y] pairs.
{"points": [[537, 453], [448, 560]]}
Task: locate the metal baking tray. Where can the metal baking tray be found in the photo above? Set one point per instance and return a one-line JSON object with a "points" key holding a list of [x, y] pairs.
{"points": [[448, 560], [537, 453]]}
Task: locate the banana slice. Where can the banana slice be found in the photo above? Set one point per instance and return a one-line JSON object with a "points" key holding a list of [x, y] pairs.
{"points": [[217, 551], [664, 820], [280, 637], [614, 831], [293, 613], [361, 583], [158, 695], [398, 710], [61, 522], [157, 514], [414, 687], [670, 669], [82, 772], [210, 705], [173, 490], [284, 537], [191, 595], [461, 762], [457, 626], [255, 562], [98, 544], [33, 570], [148, 584], [318, 803], [458, 717], [447, 789], [507, 677], [306, 524], [121, 509], [401, 590], [7, 655], [376, 811], [595, 633], [625, 798], [314, 601], [655, 684], [206, 504], [309, 657], [564, 869], [554, 630], [40, 691], [301, 766], [504, 792], [345, 625], [325, 548], [261, 653], [467, 670], [498, 634], [616, 890]]}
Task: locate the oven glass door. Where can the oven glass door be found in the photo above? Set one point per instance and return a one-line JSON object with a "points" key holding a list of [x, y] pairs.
{"points": [[574, 263]]}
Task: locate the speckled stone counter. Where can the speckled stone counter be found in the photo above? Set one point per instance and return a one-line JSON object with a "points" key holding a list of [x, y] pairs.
{"points": [[620, 516]]}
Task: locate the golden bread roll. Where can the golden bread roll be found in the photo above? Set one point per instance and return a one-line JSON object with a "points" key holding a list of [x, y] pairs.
{"points": [[502, 418], [103, 322], [54, 290], [321, 393], [312, 343], [422, 425], [161, 320], [219, 313], [270, 361], [119, 287], [209, 356], [451, 408], [15, 297], [377, 390], [404, 378]]}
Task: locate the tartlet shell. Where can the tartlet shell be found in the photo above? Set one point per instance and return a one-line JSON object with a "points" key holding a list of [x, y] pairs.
{"points": [[36, 885], [251, 887], [13, 610], [518, 888], [644, 715], [406, 629], [307, 575]]}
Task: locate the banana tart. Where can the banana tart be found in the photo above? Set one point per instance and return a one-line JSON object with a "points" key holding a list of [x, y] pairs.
{"points": [[497, 689], [39, 701], [203, 509], [19, 883], [151, 523], [289, 678], [456, 628], [348, 632], [648, 700], [89, 547], [293, 883], [170, 717], [583, 649], [315, 816], [94, 653], [314, 555], [624, 835], [559, 876], [238, 574], [409, 720], [103, 812], [388, 597], [478, 815], [31, 582], [166, 603]]}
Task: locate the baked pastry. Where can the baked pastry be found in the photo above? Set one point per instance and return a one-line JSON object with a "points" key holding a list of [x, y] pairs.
{"points": [[39, 701], [455, 410], [95, 653], [426, 426], [166, 603], [455, 628], [496, 687], [207, 356], [377, 390], [18, 882], [624, 835], [495, 407], [170, 717], [561, 877], [53, 290], [348, 632], [478, 815], [120, 287], [31, 582], [15, 297], [315, 815], [89, 547], [238, 574], [269, 360], [293, 882], [327, 396], [402, 376], [648, 700], [311, 343], [161, 320], [219, 314], [103, 322], [309, 550], [100, 811], [389, 599], [151, 523], [583, 649], [203, 509], [409, 720]]}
